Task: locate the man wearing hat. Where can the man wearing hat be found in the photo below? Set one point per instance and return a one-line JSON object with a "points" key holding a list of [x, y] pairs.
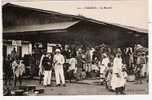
{"points": [[59, 73]]}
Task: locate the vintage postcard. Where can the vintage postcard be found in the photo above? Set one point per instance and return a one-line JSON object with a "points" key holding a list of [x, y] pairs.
{"points": [[63, 47]]}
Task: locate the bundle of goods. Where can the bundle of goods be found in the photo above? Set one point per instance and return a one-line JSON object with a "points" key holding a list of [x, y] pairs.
{"points": [[26, 91], [139, 50]]}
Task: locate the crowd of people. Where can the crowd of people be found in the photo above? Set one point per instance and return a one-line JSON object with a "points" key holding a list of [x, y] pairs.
{"points": [[111, 66]]}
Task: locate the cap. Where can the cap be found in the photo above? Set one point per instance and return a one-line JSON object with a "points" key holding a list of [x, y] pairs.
{"points": [[57, 50]]}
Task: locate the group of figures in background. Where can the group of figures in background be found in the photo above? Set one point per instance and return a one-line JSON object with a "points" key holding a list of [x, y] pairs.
{"points": [[113, 67]]}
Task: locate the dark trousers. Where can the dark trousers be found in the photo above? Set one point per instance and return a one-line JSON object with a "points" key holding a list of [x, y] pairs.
{"points": [[70, 75], [120, 90], [138, 74], [7, 79], [41, 79], [138, 78], [17, 79], [78, 74]]}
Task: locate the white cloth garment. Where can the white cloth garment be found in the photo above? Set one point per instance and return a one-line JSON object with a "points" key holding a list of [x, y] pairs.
{"points": [[14, 66], [103, 67], [72, 63], [124, 77], [143, 70], [40, 65], [47, 77], [91, 53], [59, 73], [95, 67], [105, 61], [117, 81], [18, 69], [117, 65]]}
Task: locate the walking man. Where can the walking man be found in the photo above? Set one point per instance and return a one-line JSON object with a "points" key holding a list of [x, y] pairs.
{"points": [[58, 67]]}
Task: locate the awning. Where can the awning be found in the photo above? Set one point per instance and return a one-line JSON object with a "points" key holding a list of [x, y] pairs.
{"points": [[43, 27]]}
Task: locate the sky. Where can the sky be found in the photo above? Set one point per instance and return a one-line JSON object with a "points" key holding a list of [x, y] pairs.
{"points": [[126, 12]]}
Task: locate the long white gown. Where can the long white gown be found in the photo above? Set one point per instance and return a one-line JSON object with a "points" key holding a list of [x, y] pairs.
{"points": [[117, 69]]}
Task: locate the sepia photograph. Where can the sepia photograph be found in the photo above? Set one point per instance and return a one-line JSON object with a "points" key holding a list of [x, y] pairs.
{"points": [[52, 48]]}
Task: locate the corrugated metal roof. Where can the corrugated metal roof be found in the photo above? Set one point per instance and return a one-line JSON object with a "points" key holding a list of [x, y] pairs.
{"points": [[43, 27]]}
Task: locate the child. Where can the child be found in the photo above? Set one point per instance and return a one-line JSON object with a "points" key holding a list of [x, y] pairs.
{"points": [[108, 76], [138, 74], [102, 73], [124, 77], [95, 69], [103, 67], [83, 74], [94, 66], [72, 68], [18, 70]]}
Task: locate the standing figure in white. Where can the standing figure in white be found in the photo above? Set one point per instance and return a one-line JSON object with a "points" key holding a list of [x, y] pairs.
{"points": [[58, 67]]}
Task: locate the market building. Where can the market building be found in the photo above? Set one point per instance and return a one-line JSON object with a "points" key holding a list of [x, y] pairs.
{"points": [[31, 30]]}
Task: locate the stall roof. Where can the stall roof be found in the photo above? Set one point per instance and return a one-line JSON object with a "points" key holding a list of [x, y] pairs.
{"points": [[73, 16], [42, 27]]}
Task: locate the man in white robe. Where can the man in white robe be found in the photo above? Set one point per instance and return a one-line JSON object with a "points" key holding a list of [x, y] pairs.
{"points": [[59, 73]]}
